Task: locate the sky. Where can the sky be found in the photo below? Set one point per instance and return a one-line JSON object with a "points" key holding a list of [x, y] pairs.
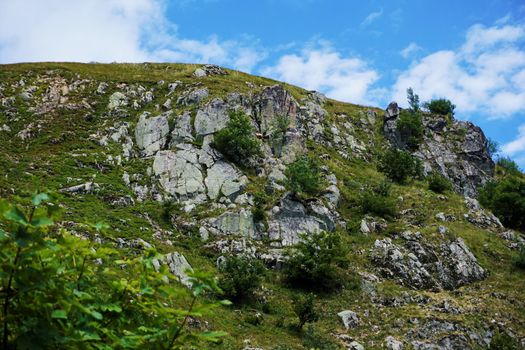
{"points": [[366, 52]]}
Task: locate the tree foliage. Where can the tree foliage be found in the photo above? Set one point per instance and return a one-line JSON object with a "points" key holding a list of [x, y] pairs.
{"points": [[237, 140], [303, 175], [438, 183], [399, 165], [316, 262], [441, 106], [63, 292], [241, 276], [506, 199], [413, 100], [304, 308], [410, 128]]}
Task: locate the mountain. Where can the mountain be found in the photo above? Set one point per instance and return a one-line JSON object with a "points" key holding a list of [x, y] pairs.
{"points": [[137, 146]]}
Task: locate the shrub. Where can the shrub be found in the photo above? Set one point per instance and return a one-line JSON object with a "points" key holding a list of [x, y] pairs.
{"points": [[519, 260], [410, 128], [237, 140], [241, 276], [383, 189], [304, 309], [60, 291], [303, 175], [509, 166], [400, 165], [441, 106], [506, 199], [502, 341], [316, 262], [438, 183], [277, 133], [383, 206]]}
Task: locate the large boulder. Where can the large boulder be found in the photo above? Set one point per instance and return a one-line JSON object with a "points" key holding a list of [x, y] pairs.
{"points": [[232, 223], [150, 133], [271, 103], [177, 265], [182, 130]]}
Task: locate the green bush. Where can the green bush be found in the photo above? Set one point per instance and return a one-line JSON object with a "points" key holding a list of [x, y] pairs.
{"points": [[383, 188], [519, 260], [304, 309], [441, 106], [399, 165], [316, 262], [237, 140], [492, 147], [502, 341], [438, 183], [303, 175], [278, 132], [241, 276], [506, 199], [410, 128], [61, 291], [376, 204]]}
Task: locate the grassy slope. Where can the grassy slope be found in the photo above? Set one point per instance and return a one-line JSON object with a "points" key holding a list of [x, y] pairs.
{"points": [[45, 163]]}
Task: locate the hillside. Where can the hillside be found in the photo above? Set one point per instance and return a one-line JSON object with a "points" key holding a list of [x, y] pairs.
{"points": [[132, 146]]}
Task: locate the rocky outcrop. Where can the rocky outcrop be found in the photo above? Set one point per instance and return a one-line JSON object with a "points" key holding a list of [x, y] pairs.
{"points": [[421, 265], [212, 117], [224, 180], [291, 218], [232, 223], [177, 265], [151, 133], [209, 70], [456, 149], [274, 102], [349, 319]]}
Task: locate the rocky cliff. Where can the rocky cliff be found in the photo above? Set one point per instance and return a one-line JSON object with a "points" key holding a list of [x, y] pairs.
{"points": [[132, 145]]}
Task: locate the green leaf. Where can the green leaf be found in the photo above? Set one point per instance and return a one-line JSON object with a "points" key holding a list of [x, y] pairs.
{"points": [[39, 198], [16, 215], [96, 315], [3, 234], [59, 314], [41, 222]]}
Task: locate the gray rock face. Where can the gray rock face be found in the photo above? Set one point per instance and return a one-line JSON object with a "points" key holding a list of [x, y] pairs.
{"points": [[393, 344], [224, 179], [192, 97], [422, 266], [150, 133], [209, 70], [480, 217], [212, 117], [232, 223], [291, 218], [182, 130], [349, 318], [458, 150], [180, 174], [274, 101], [371, 225]]}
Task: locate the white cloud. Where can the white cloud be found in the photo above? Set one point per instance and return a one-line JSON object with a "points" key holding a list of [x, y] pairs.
{"points": [[410, 49], [517, 145], [326, 70], [485, 75], [372, 17], [106, 31]]}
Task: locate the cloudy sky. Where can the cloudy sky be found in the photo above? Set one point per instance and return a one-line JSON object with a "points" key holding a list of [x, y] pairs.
{"points": [[366, 52]]}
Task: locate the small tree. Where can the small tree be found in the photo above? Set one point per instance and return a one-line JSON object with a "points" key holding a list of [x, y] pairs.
{"points": [[441, 106], [413, 100], [376, 204], [506, 199], [519, 260], [241, 276], [508, 165], [316, 262], [304, 309], [303, 176], [492, 147], [438, 183], [237, 140], [400, 165]]}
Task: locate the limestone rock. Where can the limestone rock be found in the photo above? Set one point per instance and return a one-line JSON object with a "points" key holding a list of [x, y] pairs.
{"points": [[150, 133], [182, 130], [349, 318], [85, 188], [116, 100], [180, 174], [232, 223], [224, 179], [192, 97], [212, 117], [393, 344], [209, 70], [274, 101], [178, 265]]}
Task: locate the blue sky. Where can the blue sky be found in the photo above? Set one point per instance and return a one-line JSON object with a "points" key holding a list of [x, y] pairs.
{"points": [[365, 52]]}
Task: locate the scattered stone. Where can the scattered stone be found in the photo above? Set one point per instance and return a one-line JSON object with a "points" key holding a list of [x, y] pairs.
{"points": [[349, 318], [178, 265], [86, 188], [116, 100], [393, 344]]}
